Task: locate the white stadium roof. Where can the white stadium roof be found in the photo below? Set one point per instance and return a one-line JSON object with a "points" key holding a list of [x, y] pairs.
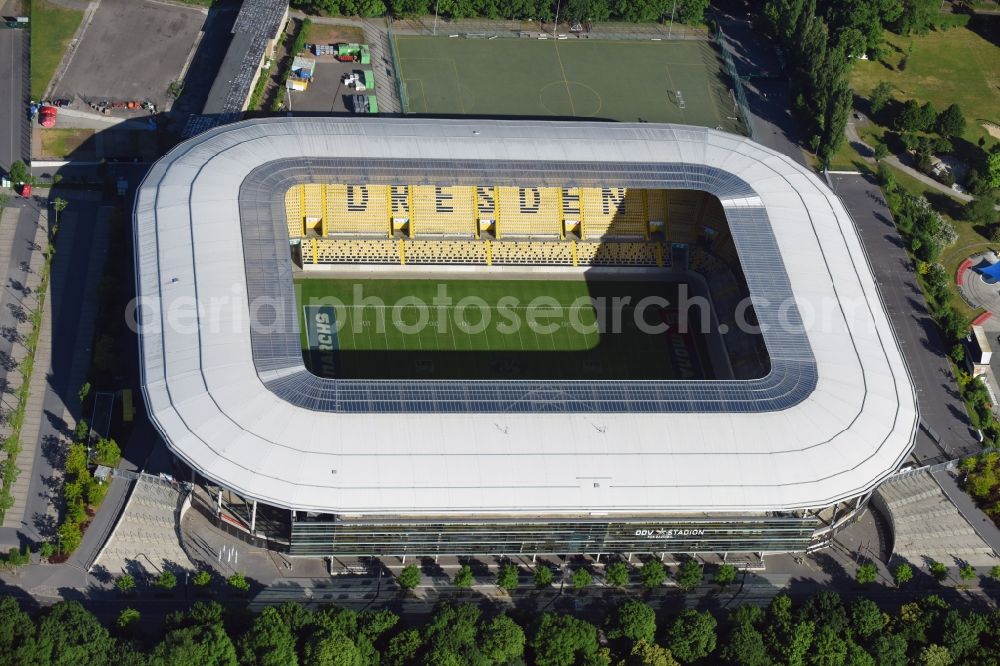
{"points": [[835, 416]]}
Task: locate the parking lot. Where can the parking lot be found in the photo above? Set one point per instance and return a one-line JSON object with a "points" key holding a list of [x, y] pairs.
{"points": [[326, 93], [132, 49]]}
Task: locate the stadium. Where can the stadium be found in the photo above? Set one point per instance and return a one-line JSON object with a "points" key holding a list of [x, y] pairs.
{"points": [[458, 337]]}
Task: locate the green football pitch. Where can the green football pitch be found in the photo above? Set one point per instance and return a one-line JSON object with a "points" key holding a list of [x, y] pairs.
{"points": [[497, 329], [613, 80]]}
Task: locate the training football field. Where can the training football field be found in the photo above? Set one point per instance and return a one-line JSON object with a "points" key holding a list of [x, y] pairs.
{"points": [[626, 81], [516, 329]]}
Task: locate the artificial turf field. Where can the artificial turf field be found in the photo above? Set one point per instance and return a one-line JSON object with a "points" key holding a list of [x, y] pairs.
{"points": [[614, 80], [496, 329]]}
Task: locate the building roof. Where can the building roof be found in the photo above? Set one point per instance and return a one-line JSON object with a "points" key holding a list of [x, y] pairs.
{"points": [[836, 414]]}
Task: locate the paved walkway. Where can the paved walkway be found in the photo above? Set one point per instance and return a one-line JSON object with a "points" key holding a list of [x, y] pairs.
{"points": [[928, 525]]}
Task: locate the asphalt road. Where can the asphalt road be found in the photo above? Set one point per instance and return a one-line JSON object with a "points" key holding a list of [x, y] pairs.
{"points": [[13, 98], [937, 394]]}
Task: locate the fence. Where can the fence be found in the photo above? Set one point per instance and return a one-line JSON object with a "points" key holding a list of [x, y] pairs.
{"points": [[739, 93], [404, 103], [483, 28]]}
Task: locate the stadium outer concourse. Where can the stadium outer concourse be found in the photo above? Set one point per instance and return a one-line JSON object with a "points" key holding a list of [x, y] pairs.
{"points": [[503, 466]]}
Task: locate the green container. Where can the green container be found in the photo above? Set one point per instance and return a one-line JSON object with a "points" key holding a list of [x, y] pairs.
{"points": [[372, 104], [366, 56], [369, 79]]}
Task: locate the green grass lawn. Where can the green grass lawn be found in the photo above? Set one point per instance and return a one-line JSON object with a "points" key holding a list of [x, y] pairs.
{"points": [[476, 329], [623, 81], [953, 66], [51, 29], [62, 142]]}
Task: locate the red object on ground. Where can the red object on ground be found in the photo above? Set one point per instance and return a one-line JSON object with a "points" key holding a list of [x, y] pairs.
{"points": [[960, 275], [47, 116], [981, 318], [25, 189], [345, 58]]}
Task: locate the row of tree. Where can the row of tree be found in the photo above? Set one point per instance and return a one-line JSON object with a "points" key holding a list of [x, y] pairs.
{"points": [[822, 631], [684, 11]]}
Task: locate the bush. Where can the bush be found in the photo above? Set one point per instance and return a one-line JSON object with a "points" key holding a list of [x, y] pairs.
{"points": [[866, 573], [46, 550], [725, 575], [939, 570], [76, 460], [967, 572], [127, 618], [902, 574], [995, 572]]}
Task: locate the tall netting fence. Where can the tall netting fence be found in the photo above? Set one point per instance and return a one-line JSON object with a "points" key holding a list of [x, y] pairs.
{"points": [[482, 28]]}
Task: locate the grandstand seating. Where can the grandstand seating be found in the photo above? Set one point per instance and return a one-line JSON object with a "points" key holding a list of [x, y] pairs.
{"points": [[350, 251], [533, 253], [444, 252], [613, 212], [618, 254], [683, 208], [443, 211], [357, 209], [529, 211]]}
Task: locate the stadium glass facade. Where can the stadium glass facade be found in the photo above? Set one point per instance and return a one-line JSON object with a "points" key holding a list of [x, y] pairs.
{"points": [[319, 537]]}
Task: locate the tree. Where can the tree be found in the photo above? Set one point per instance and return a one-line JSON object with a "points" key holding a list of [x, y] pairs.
{"points": [[17, 634], [692, 635], [543, 576], [689, 575], [69, 537], [828, 648], [935, 655], [633, 620], [880, 150], [409, 577], [982, 211], [206, 645], [403, 648], [951, 121], [502, 640], [725, 575], [652, 574], [59, 205], [890, 650], [928, 117], [910, 118], [239, 582], [203, 578], [939, 570], [127, 618], [917, 16], [880, 96], [69, 634], [960, 633], [19, 173], [991, 178], [563, 640], [995, 572], [650, 654], [107, 452], [967, 572], [125, 583], [581, 578], [866, 618], [84, 391], [81, 433], [463, 577], [867, 573], [507, 577], [268, 642], [46, 550], [166, 580], [616, 574], [746, 647]]}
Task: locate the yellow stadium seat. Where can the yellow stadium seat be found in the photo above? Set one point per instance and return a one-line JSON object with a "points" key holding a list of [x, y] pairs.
{"points": [[529, 211], [613, 212], [358, 209], [443, 211]]}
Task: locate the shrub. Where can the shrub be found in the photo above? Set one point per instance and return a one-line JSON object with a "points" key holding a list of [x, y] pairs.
{"points": [[902, 574], [939, 570], [866, 573], [725, 574], [46, 550], [995, 572], [967, 572], [127, 618]]}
